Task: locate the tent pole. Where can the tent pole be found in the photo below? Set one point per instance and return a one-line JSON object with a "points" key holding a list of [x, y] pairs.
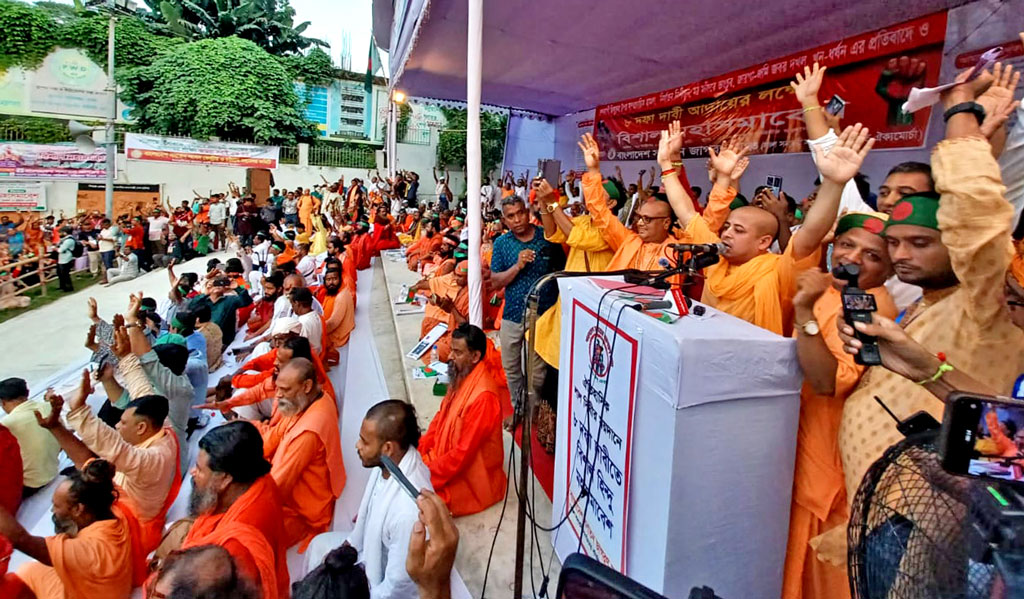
{"points": [[474, 71]]}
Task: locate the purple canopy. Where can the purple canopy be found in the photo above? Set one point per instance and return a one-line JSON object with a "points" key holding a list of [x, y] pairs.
{"points": [[562, 56]]}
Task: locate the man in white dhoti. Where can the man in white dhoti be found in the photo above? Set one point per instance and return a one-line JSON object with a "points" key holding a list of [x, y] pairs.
{"points": [[387, 513]]}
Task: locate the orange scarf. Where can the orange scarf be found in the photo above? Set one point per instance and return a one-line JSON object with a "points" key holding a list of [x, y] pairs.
{"points": [[734, 285]]}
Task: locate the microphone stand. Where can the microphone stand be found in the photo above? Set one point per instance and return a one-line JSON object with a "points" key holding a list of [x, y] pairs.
{"points": [[649, 278]]}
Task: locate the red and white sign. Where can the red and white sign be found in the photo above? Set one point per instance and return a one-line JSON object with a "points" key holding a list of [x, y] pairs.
{"points": [[602, 378], [154, 148], [760, 98]]}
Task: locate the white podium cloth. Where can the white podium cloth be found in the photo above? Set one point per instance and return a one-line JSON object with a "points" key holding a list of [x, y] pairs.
{"points": [[708, 447]]}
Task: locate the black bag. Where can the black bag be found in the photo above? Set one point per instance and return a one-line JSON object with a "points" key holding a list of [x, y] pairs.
{"points": [[78, 250]]}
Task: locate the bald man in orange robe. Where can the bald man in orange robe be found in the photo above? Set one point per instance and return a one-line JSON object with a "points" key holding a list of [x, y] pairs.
{"points": [[304, 449]]}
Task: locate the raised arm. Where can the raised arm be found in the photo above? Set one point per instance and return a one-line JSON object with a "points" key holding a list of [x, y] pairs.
{"points": [[139, 341], [677, 197], [555, 229], [999, 104], [837, 167], [805, 87], [77, 451], [613, 231]]}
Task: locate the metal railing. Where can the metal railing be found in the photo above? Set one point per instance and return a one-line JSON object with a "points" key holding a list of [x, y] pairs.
{"points": [[9, 132], [351, 156], [289, 155], [35, 266], [416, 137]]}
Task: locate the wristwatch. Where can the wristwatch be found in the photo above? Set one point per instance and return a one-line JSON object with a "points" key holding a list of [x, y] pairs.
{"points": [[972, 107], [810, 328]]}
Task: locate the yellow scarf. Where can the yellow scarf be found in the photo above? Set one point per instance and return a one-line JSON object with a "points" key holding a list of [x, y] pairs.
{"points": [[749, 291]]}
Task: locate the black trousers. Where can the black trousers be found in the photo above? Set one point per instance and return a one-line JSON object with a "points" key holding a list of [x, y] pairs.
{"points": [[64, 276]]}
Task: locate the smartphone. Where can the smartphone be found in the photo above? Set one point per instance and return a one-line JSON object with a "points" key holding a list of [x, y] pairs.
{"points": [[983, 437], [402, 480], [583, 577], [835, 106], [548, 169], [775, 183], [858, 305]]}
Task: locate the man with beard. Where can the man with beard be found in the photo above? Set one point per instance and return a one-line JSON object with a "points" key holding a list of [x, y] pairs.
{"points": [[236, 505], [304, 448], [142, 449], [956, 245], [263, 309], [386, 513], [339, 312], [463, 445], [95, 552]]}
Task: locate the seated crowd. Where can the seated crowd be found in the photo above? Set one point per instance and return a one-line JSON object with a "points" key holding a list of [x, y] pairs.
{"points": [[935, 247]]}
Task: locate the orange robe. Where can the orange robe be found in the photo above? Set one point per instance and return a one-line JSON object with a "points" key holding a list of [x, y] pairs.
{"points": [[349, 276], [384, 238], [306, 463], [819, 492], [103, 560], [252, 532], [362, 250], [266, 388], [444, 287], [307, 206], [463, 444], [342, 301]]}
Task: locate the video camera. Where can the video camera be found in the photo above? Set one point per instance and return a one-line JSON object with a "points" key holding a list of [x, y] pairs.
{"points": [[858, 305]]}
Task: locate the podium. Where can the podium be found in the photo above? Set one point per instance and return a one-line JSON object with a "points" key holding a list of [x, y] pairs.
{"points": [[684, 433]]}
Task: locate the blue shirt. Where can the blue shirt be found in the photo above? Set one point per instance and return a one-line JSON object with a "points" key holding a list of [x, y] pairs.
{"points": [[550, 258]]}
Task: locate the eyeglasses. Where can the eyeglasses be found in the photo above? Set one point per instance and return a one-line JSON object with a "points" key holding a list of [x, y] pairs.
{"points": [[646, 220]]}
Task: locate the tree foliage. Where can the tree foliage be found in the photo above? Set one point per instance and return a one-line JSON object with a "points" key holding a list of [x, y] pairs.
{"points": [[451, 145], [225, 87], [35, 129], [313, 68], [270, 24], [28, 33]]}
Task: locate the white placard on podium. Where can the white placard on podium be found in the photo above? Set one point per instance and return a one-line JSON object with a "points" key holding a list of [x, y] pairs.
{"points": [[707, 420]]}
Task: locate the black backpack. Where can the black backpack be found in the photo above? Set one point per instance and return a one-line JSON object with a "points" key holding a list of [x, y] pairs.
{"points": [[78, 250]]}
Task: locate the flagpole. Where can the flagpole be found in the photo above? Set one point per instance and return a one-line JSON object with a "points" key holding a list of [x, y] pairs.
{"points": [[474, 74]]}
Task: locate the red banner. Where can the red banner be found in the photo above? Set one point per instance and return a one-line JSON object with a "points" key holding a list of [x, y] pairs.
{"points": [[759, 97]]}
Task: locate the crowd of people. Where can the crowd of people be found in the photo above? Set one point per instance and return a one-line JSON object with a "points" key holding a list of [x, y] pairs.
{"points": [[935, 247]]}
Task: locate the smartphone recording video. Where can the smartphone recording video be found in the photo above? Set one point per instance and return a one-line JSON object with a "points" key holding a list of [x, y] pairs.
{"points": [[983, 437]]}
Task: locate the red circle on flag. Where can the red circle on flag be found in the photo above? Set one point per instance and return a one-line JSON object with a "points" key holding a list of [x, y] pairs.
{"points": [[902, 211], [873, 225]]}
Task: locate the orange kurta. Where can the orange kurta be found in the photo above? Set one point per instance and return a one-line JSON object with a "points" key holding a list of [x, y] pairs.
{"points": [[99, 562], [308, 205], [463, 444], [305, 454], [252, 532], [819, 496], [338, 337]]}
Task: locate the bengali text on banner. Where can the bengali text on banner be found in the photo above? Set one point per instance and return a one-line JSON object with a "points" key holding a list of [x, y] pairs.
{"points": [[154, 148], [871, 71]]}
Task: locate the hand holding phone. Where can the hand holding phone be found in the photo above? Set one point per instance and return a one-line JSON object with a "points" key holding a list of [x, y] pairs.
{"points": [[858, 306], [983, 437]]}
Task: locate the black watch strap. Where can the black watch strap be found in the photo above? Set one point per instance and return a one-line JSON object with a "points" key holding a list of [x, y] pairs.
{"points": [[972, 107]]}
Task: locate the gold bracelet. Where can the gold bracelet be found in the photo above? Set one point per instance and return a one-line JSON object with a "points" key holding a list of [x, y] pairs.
{"points": [[677, 163], [811, 108], [671, 174]]}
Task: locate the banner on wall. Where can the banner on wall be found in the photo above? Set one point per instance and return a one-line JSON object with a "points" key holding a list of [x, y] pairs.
{"points": [[602, 375], [154, 148], [129, 198], [15, 196], [760, 98], [50, 161]]}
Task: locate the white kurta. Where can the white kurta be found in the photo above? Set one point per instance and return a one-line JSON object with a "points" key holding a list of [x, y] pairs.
{"points": [[383, 527]]}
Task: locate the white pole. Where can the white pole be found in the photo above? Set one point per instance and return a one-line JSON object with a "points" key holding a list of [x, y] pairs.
{"points": [[474, 72], [391, 136], [111, 147]]}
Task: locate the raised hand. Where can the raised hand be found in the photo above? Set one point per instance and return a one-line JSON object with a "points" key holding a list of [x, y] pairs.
{"points": [[675, 134], [772, 203], [810, 285], [52, 420], [727, 157], [591, 153], [90, 340], [84, 391], [134, 304], [93, 309], [544, 190], [429, 561], [739, 169], [807, 84], [122, 345], [998, 98], [844, 159]]}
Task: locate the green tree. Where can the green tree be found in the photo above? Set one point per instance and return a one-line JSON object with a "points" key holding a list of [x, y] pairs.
{"points": [[451, 144], [226, 87], [269, 24]]}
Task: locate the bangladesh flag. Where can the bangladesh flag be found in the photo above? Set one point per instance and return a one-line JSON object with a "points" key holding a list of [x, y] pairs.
{"points": [[372, 66]]}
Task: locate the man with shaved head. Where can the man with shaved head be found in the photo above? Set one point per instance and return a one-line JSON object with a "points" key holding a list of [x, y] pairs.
{"points": [[750, 282], [207, 571], [304, 448], [387, 513]]}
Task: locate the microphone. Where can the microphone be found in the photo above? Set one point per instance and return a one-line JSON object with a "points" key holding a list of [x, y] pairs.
{"points": [[655, 305], [714, 249]]}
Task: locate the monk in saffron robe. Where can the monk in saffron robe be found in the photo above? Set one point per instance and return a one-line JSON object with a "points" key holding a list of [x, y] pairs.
{"points": [[308, 206], [384, 237], [339, 310], [103, 559], [304, 449], [819, 500], [749, 282], [463, 444], [237, 505]]}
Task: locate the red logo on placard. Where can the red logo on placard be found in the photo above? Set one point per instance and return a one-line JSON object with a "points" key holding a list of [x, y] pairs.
{"points": [[600, 352]]}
